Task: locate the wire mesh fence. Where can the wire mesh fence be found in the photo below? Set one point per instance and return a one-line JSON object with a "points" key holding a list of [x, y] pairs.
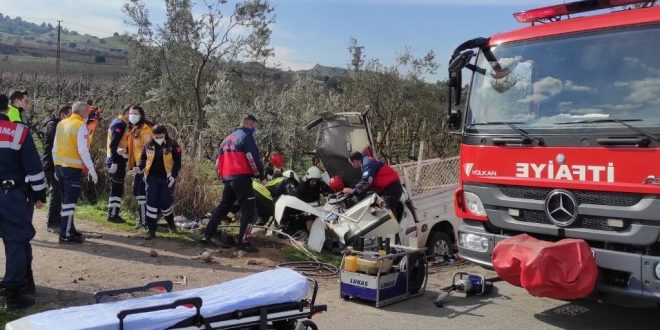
{"points": [[428, 175]]}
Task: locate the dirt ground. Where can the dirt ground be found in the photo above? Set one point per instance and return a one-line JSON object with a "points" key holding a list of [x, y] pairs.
{"points": [[68, 275]]}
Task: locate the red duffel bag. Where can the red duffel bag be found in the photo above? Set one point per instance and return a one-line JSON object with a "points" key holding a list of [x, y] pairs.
{"points": [[561, 270]]}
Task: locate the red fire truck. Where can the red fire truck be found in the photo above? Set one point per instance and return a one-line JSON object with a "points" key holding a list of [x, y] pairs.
{"points": [[560, 129]]}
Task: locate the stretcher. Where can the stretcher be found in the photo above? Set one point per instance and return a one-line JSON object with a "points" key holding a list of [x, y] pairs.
{"points": [[274, 299]]}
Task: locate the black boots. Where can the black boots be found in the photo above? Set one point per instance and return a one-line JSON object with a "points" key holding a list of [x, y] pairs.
{"points": [[16, 298], [170, 223], [116, 219], [150, 235]]}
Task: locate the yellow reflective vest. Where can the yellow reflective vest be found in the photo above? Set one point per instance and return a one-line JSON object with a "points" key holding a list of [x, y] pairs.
{"points": [[262, 190], [14, 114], [66, 142], [168, 160], [137, 139], [118, 126]]}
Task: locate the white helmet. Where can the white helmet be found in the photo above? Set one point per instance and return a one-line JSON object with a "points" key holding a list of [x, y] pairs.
{"points": [[313, 173], [288, 174]]}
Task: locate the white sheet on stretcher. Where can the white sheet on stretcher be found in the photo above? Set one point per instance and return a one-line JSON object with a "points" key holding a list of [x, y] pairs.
{"points": [[265, 288]]}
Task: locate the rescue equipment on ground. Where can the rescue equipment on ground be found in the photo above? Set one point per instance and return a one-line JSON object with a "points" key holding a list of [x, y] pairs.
{"points": [[383, 274], [469, 284]]}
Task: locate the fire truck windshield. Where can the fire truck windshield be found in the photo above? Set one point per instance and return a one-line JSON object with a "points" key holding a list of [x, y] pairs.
{"points": [[608, 74]]}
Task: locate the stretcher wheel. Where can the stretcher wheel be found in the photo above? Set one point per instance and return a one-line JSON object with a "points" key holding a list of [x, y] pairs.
{"points": [[307, 325]]}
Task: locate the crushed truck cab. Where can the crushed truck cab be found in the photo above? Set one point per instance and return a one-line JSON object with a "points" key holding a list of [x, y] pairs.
{"points": [[427, 219]]}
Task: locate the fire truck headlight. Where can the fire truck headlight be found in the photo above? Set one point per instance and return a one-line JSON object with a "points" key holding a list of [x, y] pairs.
{"points": [[657, 270], [473, 242], [473, 204]]}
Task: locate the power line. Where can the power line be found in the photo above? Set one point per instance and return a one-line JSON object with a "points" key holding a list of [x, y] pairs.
{"points": [[57, 65]]}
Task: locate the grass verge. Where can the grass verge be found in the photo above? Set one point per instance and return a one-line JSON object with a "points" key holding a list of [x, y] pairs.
{"points": [[98, 213], [289, 253], [8, 316]]}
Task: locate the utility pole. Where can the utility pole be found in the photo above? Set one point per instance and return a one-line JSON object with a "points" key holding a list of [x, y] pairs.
{"points": [[57, 63]]}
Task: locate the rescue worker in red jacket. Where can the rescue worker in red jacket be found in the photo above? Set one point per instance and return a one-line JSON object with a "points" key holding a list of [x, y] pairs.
{"points": [[379, 177], [238, 161], [138, 136], [160, 162]]}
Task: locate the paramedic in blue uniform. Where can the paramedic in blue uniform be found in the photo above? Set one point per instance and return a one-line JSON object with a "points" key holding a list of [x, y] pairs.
{"points": [[379, 177], [237, 163], [160, 162], [117, 157], [22, 186]]}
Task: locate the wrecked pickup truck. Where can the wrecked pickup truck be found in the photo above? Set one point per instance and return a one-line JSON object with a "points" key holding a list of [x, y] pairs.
{"points": [[427, 220]]}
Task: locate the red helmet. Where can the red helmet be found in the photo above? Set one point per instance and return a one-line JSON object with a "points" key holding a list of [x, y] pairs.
{"points": [[276, 159], [336, 183]]}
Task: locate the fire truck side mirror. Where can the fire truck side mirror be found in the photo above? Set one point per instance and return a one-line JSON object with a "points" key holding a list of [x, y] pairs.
{"points": [[454, 120], [454, 100]]}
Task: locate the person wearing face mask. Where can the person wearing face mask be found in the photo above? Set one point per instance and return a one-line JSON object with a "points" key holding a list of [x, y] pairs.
{"points": [[70, 155], [160, 162], [139, 134], [117, 156], [237, 163], [19, 102]]}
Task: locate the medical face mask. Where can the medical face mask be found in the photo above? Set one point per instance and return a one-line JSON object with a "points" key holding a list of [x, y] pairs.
{"points": [[160, 141], [134, 119]]}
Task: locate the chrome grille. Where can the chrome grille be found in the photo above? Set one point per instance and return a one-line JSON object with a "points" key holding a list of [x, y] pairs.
{"points": [[584, 221], [582, 196]]}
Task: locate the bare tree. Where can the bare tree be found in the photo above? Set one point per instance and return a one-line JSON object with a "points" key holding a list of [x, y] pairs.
{"points": [[191, 49]]}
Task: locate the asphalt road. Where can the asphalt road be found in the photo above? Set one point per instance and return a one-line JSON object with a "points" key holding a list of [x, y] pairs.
{"points": [[507, 307]]}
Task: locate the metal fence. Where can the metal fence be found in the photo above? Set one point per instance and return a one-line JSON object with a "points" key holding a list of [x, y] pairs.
{"points": [[428, 175]]}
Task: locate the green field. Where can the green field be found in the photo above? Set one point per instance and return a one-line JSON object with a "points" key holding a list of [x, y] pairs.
{"points": [[42, 65]]}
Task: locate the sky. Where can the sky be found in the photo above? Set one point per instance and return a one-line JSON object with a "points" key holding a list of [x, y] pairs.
{"points": [[309, 32]]}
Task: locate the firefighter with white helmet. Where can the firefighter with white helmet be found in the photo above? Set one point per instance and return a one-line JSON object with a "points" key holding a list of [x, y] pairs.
{"points": [[285, 184], [312, 187]]}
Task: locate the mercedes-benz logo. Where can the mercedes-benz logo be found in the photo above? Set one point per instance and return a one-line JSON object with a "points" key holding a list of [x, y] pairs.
{"points": [[561, 158], [561, 207]]}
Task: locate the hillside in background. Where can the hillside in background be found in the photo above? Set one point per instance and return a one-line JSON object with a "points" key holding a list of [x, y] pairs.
{"points": [[20, 40], [18, 37]]}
